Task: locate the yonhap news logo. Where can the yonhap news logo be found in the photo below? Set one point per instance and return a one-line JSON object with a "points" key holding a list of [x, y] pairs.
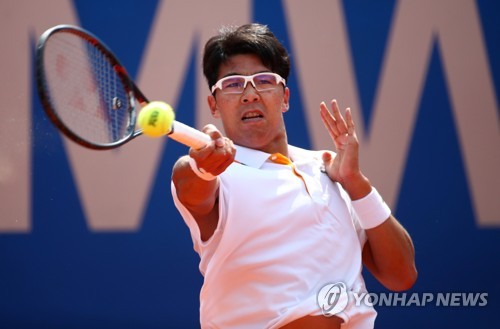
{"points": [[334, 297]]}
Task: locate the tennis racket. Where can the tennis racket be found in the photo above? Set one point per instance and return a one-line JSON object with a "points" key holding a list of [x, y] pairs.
{"points": [[88, 95]]}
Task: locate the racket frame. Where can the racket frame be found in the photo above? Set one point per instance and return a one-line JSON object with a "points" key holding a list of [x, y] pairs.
{"points": [[134, 94]]}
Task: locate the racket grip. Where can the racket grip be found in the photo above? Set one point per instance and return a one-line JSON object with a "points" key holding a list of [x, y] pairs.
{"points": [[188, 136]]}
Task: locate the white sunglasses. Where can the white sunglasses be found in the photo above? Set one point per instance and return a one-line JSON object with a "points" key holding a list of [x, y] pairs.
{"points": [[236, 84]]}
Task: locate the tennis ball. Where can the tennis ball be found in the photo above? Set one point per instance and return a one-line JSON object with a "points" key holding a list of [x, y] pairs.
{"points": [[156, 118]]}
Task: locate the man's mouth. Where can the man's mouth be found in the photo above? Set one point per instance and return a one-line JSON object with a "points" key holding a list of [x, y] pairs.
{"points": [[252, 116]]}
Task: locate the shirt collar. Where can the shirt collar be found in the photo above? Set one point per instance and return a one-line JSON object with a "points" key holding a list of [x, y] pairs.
{"points": [[256, 158], [250, 157]]}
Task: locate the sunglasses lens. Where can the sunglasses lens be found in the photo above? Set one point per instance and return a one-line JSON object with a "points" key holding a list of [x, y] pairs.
{"points": [[232, 85], [264, 81]]}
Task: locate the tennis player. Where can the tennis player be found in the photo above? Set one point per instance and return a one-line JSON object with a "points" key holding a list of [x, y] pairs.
{"points": [[274, 223]]}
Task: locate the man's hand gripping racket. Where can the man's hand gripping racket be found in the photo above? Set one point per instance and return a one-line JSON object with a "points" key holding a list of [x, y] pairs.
{"points": [[89, 96]]}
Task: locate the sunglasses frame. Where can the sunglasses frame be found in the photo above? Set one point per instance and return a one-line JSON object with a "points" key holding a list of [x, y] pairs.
{"points": [[247, 78]]}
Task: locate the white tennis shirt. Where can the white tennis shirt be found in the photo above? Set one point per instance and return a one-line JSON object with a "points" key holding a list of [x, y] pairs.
{"points": [[281, 237]]}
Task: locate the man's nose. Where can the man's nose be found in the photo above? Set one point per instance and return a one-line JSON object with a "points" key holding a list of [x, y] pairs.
{"points": [[250, 94]]}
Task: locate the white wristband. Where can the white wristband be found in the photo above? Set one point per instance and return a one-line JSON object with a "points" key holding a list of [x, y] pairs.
{"points": [[200, 172], [371, 210]]}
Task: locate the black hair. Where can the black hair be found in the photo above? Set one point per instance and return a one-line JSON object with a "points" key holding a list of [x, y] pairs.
{"points": [[256, 39]]}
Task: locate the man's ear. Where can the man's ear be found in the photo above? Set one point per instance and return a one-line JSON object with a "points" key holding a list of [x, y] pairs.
{"points": [[212, 104], [286, 100]]}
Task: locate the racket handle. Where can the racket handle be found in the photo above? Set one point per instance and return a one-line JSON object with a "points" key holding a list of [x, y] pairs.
{"points": [[188, 136]]}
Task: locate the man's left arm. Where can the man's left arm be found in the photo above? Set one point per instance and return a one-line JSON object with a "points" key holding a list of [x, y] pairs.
{"points": [[388, 253], [390, 256]]}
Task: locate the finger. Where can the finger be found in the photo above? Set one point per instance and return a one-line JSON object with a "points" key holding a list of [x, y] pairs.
{"points": [[229, 145], [221, 158], [350, 122], [327, 157], [214, 159], [328, 120], [210, 129], [339, 119], [224, 146], [215, 134], [203, 153], [229, 159]]}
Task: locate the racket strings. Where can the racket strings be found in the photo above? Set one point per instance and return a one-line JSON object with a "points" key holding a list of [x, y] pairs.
{"points": [[86, 93]]}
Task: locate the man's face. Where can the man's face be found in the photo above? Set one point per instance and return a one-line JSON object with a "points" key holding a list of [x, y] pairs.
{"points": [[252, 119]]}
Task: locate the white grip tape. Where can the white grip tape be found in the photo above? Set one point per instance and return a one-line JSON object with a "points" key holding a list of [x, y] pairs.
{"points": [[188, 136], [371, 210]]}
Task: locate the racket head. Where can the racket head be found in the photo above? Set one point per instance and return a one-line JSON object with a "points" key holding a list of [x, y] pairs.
{"points": [[84, 89]]}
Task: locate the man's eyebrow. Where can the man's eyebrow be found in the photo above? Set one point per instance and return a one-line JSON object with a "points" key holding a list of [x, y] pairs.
{"points": [[236, 73], [230, 74]]}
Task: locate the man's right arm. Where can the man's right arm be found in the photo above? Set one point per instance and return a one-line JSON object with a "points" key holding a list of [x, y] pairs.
{"points": [[200, 196]]}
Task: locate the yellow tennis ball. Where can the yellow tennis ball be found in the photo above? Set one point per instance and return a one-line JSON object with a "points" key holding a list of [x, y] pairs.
{"points": [[156, 118]]}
